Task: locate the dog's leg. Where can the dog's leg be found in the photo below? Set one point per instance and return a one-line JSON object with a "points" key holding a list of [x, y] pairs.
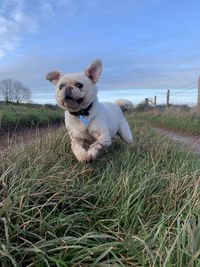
{"points": [[125, 132], [101, 143], [78, 150]]}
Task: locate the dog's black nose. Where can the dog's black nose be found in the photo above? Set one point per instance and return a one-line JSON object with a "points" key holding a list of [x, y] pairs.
{"points": [[69, 88], [68, 92]]}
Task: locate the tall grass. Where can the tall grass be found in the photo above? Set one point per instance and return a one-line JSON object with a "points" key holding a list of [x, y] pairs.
{"points": [[134, 206], [12, 116], [179, 119]]}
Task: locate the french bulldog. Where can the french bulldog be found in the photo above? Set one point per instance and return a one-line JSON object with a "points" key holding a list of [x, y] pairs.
{"points": [[87, 119]]}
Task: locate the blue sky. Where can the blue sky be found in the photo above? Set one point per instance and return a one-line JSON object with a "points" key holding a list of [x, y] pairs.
{"points": [[146, 46]]}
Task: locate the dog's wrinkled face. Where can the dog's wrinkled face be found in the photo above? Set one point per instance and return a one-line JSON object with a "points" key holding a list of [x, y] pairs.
{"points": [[76, 91]]}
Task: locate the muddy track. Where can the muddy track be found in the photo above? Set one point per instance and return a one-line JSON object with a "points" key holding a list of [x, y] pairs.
{"points": [[11, 139], [19, 137], [192, 142]]}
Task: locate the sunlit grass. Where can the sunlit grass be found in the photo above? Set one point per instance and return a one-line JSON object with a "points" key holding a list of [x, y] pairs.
{"points": [[12, 115], [134, 206], [185, 120]]}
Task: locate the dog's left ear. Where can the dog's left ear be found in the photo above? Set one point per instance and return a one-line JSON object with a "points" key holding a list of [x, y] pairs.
{"points": [[93, 71]]}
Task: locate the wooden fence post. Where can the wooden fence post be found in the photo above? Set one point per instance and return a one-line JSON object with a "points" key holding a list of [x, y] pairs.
{"points": [[155, 100], [146, 102], [168, 95], [198, 100]]}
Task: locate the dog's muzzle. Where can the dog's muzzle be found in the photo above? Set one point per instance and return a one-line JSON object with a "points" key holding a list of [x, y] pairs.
{"points": [[68, 97]]}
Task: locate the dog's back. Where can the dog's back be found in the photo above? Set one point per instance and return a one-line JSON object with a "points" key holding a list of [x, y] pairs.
{"points": [[110, 116]]}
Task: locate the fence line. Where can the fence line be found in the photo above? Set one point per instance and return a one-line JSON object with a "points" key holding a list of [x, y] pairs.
{"points": [[191, 90]]}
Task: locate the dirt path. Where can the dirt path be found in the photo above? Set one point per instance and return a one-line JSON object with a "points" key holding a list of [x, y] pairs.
{"points": [[192, 142], [21, 136], [11, 139]]}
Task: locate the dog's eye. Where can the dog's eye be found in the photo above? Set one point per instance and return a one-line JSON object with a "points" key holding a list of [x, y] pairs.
{"points": [[61, 86], [79, 85]]}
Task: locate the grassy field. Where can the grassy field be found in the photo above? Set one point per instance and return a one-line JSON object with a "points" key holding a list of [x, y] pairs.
{"points": [[175, 119], [134, 206], [12, 115]]}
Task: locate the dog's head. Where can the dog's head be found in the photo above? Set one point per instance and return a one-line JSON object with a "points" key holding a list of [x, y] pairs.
{"points": [[76, 91]]}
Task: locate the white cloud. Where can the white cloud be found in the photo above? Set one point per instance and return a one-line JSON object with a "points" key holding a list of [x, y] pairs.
{"points": [[11, 24], [16, 18], [21, 16], [47, 9], [69, 5]]}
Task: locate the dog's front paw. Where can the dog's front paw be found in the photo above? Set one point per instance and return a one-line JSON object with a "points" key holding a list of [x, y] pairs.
{"points": [[81, 157], [87, 158], [91, 156]]}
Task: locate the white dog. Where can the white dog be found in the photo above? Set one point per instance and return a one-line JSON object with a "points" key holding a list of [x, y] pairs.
{"points": [[86, 119]]}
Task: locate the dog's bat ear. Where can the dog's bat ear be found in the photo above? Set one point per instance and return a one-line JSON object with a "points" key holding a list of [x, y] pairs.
{"points": [[53, 76], [93, 71]]}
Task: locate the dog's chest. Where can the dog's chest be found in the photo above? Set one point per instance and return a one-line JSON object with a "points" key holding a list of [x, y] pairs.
{"points": [[83, 134], [78, 130]]}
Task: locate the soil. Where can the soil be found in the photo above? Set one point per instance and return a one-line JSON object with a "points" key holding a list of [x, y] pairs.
{"points": [[10, 139], [20, 136]]}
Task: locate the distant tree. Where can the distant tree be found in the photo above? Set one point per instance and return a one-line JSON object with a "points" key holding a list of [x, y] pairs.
{"points": [[20, 93], [14, 91], [5, 90]]}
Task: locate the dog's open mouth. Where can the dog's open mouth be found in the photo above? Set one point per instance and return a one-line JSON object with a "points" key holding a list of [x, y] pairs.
{"points": [[71, 101]]}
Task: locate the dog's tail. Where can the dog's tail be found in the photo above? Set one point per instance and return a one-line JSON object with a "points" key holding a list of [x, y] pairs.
{"points": [[124, 104]]}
